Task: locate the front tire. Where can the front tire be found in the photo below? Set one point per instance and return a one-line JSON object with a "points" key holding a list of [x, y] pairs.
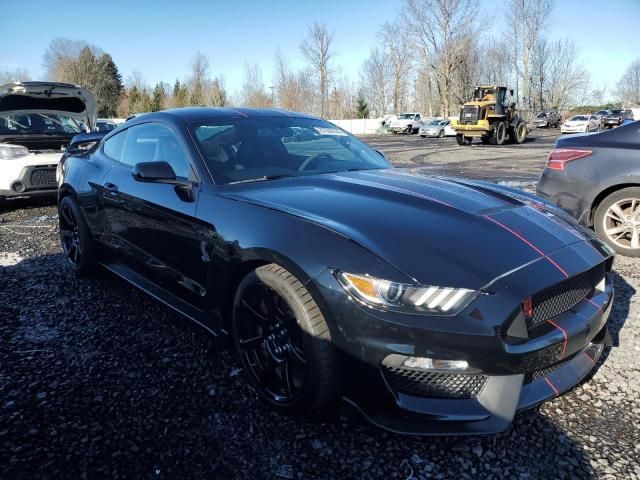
{"points": [[75, 236], [284, 342], [462, 140], [617, 221], [519, 133]]}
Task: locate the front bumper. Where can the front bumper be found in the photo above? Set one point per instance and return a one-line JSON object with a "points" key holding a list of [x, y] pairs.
{"points": [[29, 176], [515, 375], [573, 130], [429, 133]]}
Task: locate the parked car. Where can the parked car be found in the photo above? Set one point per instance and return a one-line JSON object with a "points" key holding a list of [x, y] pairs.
{"points": [[103, 125], [596, 179], [37, 121], [435, 128], [547, 119], [406, 122], [614, 119], [581, 124], [432, 305]]}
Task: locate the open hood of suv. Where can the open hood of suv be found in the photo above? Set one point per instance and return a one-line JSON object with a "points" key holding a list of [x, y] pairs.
{"points": [[50, 97]]}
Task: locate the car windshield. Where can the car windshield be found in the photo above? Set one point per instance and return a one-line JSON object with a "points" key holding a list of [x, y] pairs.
{"points": [[616, 112], [435, 122], [602, 112], [37, 124], [579, 118], [406, 116], [263, 148], [542, 115], [105, 126]]}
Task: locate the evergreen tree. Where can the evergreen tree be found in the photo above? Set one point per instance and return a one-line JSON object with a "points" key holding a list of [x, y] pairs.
{"points": [[362, 109], [196, 99], [109, 86], [157, 100], [134, 100], [180, 94]]}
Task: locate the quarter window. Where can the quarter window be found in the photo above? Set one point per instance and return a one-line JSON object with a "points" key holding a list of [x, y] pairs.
{"points": [[113, 145], [153, 142]]}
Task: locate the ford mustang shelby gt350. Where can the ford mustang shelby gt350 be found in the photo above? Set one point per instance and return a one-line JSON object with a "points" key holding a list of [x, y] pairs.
{"points": [[432, 305]]}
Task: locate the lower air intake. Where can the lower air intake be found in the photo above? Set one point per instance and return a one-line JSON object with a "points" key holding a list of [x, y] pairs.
{"points": [[432, 384]]}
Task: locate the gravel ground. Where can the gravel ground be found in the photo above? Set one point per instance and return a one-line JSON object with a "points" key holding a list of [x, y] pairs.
{"points": [[98, 380]]}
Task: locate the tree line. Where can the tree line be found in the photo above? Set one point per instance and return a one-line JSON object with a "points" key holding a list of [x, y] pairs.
{"points": [[427, 59]]}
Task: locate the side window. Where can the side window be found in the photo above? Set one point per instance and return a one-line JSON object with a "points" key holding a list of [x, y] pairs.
{"points": [[418, 117], [153, 142], [113, 146]]}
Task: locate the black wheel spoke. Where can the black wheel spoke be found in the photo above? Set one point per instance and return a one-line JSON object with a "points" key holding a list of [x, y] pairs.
{"points": [[251, 343], [268, 338], [296, 354], [288, 384]]}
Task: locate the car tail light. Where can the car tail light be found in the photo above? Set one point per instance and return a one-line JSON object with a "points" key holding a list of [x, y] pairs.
{"points": [[558, 157]]}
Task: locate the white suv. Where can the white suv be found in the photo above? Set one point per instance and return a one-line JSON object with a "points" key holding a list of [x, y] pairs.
{"points": [[37, 121], [406, 122]]}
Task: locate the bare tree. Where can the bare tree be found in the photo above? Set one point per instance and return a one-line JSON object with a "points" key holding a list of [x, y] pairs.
{"points": [[316, 49], [398, 47], [529, 19], [17, 75], [566, 79], [374, 77], [61, 54], [253, 90], [628, 88], [444, 30]]}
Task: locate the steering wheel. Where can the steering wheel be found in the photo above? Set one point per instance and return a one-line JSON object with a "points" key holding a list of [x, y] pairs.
{"points": [[319, 157]]}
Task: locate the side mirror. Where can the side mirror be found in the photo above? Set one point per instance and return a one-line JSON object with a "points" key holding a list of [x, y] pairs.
{"points": [[155, 172]]}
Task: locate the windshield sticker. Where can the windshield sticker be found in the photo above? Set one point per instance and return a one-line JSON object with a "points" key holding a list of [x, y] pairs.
{"points": [[329, 131]]}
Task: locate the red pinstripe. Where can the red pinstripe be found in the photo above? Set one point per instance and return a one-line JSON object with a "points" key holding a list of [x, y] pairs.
{"points": [[551, 385], [520, 237], [564, 334]]}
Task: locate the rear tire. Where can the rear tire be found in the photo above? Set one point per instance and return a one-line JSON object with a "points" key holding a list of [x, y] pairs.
{"points": [[284, 324], [441, 134], [77, 242], [617, 221]]}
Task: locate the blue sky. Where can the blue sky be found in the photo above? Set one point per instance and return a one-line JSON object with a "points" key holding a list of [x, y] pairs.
{"points": [[159, 37]]}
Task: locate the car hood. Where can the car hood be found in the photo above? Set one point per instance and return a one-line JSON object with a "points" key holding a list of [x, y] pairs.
{"points": [[439, 231], [49, 97], [576, 123]]}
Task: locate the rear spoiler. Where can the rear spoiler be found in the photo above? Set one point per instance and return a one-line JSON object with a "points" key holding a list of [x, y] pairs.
{"points": [[85, 141]]}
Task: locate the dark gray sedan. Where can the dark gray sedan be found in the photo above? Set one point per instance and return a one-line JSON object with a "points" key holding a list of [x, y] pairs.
{"points": [[596, 179]]}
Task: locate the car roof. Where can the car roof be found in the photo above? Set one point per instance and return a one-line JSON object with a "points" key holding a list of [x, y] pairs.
{"points": [[193, 114]]}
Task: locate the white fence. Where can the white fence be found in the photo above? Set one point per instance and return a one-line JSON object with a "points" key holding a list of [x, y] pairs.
{"points": [[359, 126]]}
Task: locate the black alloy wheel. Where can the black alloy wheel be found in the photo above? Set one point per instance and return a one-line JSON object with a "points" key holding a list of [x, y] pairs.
{"points": [[75, 237], [283, 341]]}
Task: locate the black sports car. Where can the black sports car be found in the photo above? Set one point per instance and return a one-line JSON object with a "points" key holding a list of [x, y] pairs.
{"points": [[432, 305], [596, 179]]}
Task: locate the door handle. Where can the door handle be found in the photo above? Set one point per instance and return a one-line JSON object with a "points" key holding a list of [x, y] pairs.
{"points": [[111, 188]]}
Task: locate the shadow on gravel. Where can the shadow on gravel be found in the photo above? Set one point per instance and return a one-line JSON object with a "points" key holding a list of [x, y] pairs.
{"points": [[99, 380], [25, 203]]}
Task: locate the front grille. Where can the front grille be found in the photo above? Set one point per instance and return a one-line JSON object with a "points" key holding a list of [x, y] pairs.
{"points": [[563, 296], [531, 377], [469, 115], [432, 384], [43, 177]]}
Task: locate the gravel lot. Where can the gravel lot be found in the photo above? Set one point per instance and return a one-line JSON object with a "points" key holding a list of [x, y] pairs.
{"points": [[98, 380]]}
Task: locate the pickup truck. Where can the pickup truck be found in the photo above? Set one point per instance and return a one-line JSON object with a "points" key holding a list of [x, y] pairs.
{"points": [[406, 122]]}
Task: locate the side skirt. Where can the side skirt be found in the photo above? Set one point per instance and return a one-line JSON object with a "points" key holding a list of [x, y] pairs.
{"points": [[210, 321]]}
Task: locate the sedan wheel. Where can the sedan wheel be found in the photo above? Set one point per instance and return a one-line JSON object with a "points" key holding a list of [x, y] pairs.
{"points": [[617, 221], [75, 237], [284, 342]]}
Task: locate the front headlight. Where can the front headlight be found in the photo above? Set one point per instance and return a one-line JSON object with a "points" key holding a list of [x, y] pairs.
{"points": [[403, 297], [11, 152]]}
